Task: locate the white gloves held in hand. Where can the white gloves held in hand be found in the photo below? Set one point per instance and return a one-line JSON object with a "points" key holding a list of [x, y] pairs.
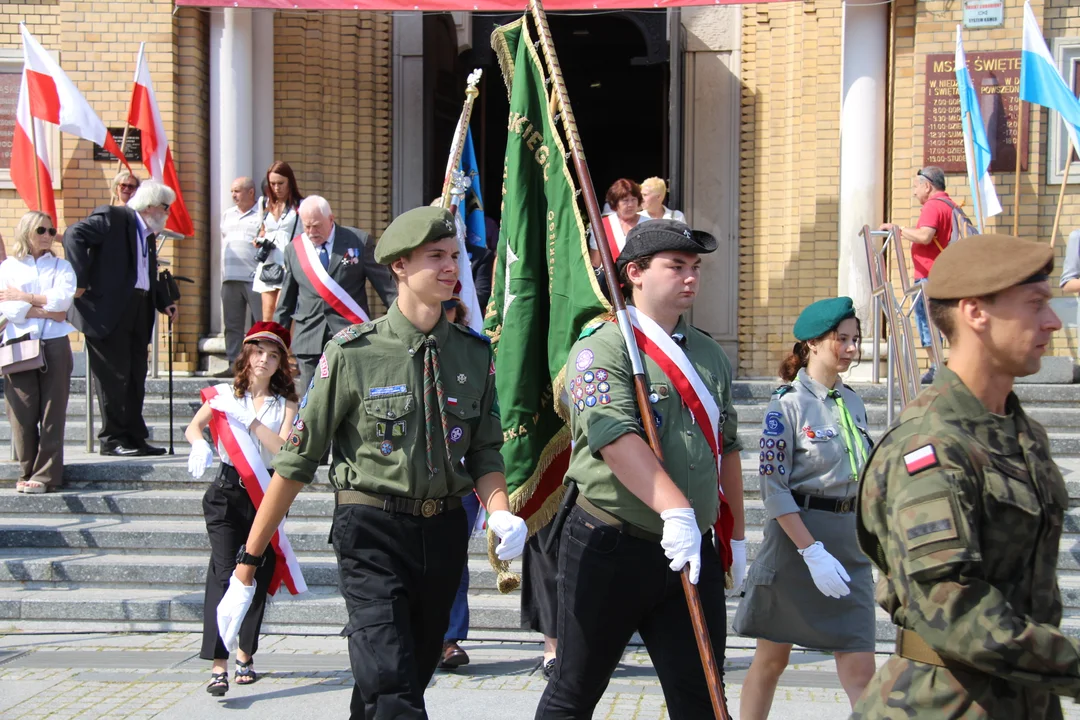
{"points": [[511, 530], [829, 575], [231, 407], [682, 540], [200, 458], [231, 611], [738, 566]]}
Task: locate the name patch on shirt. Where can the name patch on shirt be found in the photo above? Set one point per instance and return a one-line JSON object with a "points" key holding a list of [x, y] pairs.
{"points": [[324, 369], [387, 390]]}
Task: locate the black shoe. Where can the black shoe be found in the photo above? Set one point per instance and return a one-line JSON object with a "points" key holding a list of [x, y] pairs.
{"points": [[120, 451], [549, 669], [145, 449]]}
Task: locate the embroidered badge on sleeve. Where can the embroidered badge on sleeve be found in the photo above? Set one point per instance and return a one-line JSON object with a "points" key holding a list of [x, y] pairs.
{"points": [[922, 459]]}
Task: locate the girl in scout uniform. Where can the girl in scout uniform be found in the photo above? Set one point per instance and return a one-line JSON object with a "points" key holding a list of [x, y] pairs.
{"points": [[263, 399], [810, 585]]}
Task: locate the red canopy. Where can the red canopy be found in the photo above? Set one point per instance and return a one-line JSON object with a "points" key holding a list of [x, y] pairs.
{"points": [[504, 6]]}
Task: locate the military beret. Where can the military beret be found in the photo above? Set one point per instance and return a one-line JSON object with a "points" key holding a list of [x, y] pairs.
{"points": [[820, 317], [411, 229], [981, 265], [649, 237]]}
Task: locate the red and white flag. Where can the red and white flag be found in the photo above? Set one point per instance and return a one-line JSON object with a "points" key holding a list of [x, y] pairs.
{"points": [[156, 156], [47, 95]]}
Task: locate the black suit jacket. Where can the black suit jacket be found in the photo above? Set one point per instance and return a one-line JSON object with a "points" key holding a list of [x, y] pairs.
{"points": [[102, 250], [316, 320]]}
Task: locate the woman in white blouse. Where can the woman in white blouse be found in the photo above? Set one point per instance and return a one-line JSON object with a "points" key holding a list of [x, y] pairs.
{"points": [[262, 399], [281, 223], [653, 192], [37, 290]]}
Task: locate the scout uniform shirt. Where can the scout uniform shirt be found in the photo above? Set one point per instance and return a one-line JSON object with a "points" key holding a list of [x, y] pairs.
{"points": [[804, 445], [368, 397], [962, 511], [601, 387]]}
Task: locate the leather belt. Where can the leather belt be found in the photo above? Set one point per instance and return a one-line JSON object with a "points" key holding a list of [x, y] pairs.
{"points": [[395, 504], [621, 525], [912, 647], [834, 505]]}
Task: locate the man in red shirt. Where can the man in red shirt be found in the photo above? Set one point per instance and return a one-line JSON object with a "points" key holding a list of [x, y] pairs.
{"points": [[928, 238]]}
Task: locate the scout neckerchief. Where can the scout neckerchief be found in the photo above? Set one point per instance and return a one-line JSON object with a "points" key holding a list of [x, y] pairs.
{"points": [[249, 465], [434, 405], [328, 289], [616, 238], [852, 437], [673, 362]]}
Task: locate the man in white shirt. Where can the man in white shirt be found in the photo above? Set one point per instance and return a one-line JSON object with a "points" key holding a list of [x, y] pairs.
{"points": [[240, 304]]}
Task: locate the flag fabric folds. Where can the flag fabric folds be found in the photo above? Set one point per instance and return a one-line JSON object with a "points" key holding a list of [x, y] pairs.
{"points": [[471, 232], [156, 156], [1041, 82], [983, 192], [46, 94], [543, 292]]}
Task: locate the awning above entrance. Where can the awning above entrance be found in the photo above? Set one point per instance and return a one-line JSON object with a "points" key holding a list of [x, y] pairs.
{"points": [[505, 6]]}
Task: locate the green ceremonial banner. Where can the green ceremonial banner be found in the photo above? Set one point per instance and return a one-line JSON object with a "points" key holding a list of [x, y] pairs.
{"points": [[544, 289]]}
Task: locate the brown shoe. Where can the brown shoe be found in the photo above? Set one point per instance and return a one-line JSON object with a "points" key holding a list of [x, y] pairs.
{"points": [[453, 656]]}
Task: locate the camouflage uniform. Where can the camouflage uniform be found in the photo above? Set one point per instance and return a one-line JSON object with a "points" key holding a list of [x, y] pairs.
{"points": [[961, 510]]}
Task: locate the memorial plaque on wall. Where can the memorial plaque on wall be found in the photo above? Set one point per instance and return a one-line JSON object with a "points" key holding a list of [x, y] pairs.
{"points": [[9, 98], [996, 76], [132, 149]]}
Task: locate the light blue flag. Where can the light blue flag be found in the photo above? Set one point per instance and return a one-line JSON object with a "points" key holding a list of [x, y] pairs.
{"points": [[986, 198], [475, 229], [1040, 81]]}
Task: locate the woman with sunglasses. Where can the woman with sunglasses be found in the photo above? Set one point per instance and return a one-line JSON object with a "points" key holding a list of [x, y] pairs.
{"points": [[37, 290], [124, 186]]}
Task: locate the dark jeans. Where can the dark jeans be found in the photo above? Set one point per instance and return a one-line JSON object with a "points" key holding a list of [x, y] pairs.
{"points": [[229, 514], [459, 613], [611, 584], [399, 574]]}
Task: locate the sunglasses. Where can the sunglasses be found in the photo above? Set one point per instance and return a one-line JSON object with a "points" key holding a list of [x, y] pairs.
{"points": [[128, 186], [165, 207], [42, 231]]}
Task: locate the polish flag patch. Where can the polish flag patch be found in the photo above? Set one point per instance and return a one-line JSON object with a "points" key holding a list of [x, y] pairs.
{"points": [[451, 401], [918, 460]]}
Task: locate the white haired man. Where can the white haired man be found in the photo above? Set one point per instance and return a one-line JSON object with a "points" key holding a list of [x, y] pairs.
{"points": [[240, 304], [326, 267], [114, 255]]}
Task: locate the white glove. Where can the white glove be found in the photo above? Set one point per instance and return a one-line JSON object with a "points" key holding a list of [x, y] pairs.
{"points": [[200, 458], [829, 575], [231, 611], [738, 566], [228, 405], [682, 540], [511, 530]]}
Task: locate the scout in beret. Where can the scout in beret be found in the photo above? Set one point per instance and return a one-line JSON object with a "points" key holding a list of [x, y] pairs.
{"points": [[637, 522], [407, 403], [962, 506], [818, 590]]}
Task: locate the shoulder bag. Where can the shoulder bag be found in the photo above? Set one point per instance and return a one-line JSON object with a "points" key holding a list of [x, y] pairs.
{"points": [[274, 273], [23, 353]]}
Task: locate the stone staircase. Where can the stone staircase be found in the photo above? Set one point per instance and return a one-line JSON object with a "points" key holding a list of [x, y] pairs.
{"points": [[124, 547]]}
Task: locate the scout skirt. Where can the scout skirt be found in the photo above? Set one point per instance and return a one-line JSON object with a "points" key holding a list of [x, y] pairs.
{"points": [[781, 603]]}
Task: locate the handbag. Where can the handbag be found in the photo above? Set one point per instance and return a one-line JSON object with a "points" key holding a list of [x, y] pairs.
{"points": [[20, 355], [274, 273]]}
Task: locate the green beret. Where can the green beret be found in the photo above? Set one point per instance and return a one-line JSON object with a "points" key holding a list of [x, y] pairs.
{"points": [[411, 229], [981, 265], [822, 316], [649, 237]]}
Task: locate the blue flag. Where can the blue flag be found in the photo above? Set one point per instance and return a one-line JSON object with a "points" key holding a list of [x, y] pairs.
{"points": [[475, 229], [1041, 82]]}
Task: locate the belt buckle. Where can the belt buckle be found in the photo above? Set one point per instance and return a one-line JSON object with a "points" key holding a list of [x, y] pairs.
{"points": [[846, 505], [428, 508]]}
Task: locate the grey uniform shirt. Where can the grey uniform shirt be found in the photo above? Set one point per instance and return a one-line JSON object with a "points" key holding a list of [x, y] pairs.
{"points": [[802, 445]]}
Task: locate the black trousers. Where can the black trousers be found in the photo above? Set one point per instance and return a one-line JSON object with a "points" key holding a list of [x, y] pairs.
{"points": [[399, 575], [229, 514], [118, 363], [539, 585], [611, 584]]}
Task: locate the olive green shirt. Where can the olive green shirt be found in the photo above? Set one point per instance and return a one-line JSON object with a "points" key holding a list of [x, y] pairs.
{"points": [[599, 363], [367, 396]]}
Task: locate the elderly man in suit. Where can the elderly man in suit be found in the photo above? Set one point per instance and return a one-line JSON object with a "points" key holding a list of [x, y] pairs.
{"points": [[323, 291], [114, 255]]}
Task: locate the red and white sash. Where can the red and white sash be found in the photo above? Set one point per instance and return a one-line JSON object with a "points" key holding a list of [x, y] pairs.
{"points": [[616, 238], [248, 462], [662, 350], [328, 289]]}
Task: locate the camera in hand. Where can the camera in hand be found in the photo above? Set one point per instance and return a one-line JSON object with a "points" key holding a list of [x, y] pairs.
{"points": [[263, 252]]}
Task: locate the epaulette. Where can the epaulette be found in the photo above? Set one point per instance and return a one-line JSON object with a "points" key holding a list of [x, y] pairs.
{"points": [[589, 330], [469, 331], [783, 390], [353, 332]]}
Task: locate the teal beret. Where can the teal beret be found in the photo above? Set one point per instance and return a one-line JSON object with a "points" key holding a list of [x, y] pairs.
{"points": [[411, 229], [822, 316]]}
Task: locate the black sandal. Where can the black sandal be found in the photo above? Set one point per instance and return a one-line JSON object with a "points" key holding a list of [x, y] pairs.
{"points": [[219, 684], [245, 674]]}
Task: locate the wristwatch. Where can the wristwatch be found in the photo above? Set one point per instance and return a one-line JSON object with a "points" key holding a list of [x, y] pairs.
{"points": [[244, 558]]}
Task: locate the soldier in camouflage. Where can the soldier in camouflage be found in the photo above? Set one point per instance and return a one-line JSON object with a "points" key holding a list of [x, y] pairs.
{"points": [[961, 508]]}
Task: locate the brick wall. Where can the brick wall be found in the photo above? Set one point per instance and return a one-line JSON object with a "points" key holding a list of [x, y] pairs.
{"points": [[790, 153]]}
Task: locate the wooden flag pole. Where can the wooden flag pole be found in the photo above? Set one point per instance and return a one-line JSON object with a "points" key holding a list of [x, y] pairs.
{"points": [[123, 147], [1016, 178], [693, 600], [37, 161], [969, 142], [1061, 193]]}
